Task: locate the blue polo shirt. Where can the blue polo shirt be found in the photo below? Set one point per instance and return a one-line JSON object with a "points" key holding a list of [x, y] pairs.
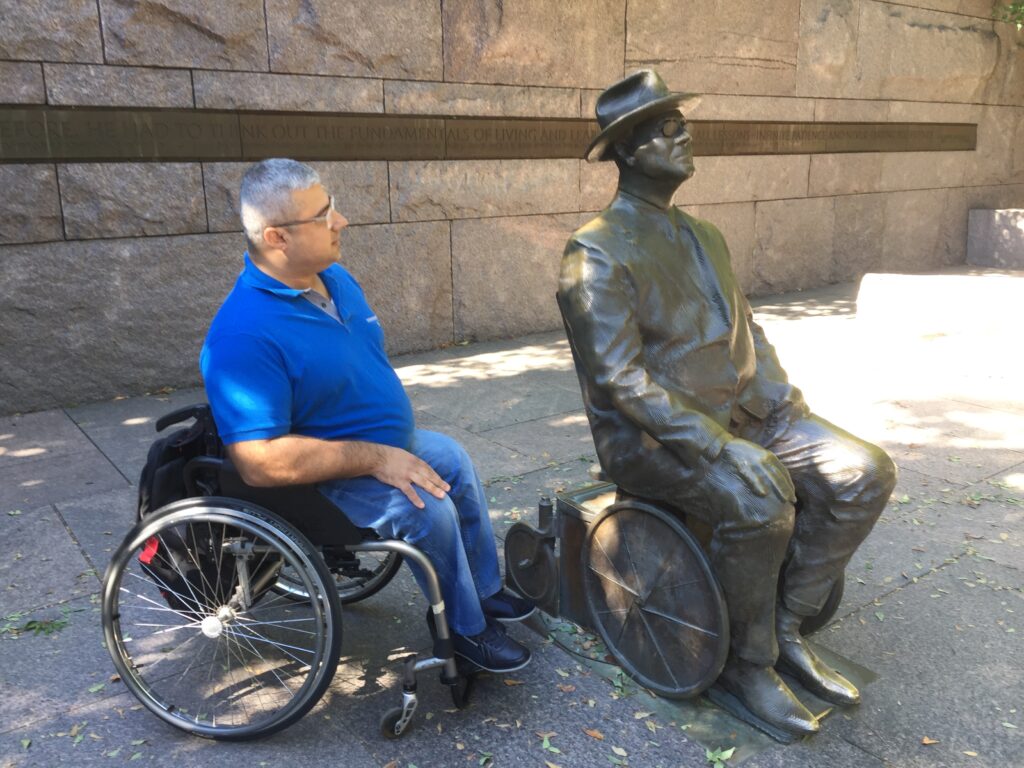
{"points": [[275, 364]]}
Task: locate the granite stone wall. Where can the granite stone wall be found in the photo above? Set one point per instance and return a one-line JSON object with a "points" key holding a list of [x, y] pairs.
{"points": [[109, 273]]}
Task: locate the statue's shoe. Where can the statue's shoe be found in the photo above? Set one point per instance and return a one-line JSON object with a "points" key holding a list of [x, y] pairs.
{"points": [[768, 697], [797, 658]]}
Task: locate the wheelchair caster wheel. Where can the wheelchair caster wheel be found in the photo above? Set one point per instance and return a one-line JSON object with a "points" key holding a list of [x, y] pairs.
{"points": [[461, 690], [394, 723]]}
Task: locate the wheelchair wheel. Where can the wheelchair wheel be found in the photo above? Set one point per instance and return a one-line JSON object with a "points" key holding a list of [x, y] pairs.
{"points": [[357, 576], [198, 635], [654, 599]]}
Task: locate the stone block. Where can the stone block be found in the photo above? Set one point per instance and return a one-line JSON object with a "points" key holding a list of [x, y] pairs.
{"points": [[405, 97], [360, 190], [21, 83], [185, 33], [859, 233], [245, 90], [934, 112], [913, 221], [131, 199], [598, 182], [980, 8], [716, 47], [49, 480], [793, 245], [51, 30], [406, 273], [924, 170], [465, 189], [534, 42], [845, 174], [368, 38], [743, 178], [134, 323], [37, 436], [727, 107], [999, 157], [505, 272], [736, 223], [39, 563], [877, 50], [588, 101], [996, 238], [827, 58], [31, 204], [850, 111], [104, 86]]}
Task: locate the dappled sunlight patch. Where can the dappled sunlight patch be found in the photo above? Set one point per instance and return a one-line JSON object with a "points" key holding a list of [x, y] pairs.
{"points": [[488, 365], [30, 483], [134, 422], [24, 453], [569, 420]]}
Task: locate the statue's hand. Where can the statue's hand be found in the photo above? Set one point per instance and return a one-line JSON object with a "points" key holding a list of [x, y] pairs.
{"points": [[759, 469]]}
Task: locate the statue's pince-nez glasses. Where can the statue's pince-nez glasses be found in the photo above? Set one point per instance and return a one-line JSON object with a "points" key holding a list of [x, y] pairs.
{"points": [[672, 127], [324, 216]]}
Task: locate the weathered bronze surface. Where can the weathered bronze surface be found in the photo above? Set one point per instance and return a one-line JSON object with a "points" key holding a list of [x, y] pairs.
{"points": [[46, 134], [690, 407]]}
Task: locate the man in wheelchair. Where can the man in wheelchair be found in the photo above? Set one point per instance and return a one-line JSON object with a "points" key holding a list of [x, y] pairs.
{"points": [[302, 393]]}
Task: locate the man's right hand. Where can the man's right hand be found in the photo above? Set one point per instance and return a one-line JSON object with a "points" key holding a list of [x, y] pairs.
{"points": [[759, 469], [403, 470]]}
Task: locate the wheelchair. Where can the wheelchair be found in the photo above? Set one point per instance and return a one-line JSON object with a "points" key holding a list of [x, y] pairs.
{"points": [[221, 608], [635, 571]]}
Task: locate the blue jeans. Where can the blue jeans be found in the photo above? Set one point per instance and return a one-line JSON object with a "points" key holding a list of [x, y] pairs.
{"points": [[454, 531]]}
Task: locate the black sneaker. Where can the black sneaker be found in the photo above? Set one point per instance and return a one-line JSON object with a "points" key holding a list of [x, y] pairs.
{"points": [[506, 606], [492, 650]]}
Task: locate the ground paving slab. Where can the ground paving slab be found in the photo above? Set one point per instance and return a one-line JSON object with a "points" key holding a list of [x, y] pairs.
{"points": [[933, 602]]}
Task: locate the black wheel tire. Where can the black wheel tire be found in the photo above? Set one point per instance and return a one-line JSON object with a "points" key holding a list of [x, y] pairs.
{"points": [[813, 623], [462, 691], [388, 722], [654, 599], [218, 701]]}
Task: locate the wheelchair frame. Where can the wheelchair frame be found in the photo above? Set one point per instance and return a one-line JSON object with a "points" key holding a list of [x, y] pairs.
{"points": [[255, 601]]}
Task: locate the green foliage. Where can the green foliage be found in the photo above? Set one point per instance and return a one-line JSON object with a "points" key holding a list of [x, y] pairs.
{"points": [[1013, 13]]}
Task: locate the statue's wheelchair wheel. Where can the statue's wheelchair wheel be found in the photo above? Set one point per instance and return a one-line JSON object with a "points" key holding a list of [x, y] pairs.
{"points": [[654, 599]]}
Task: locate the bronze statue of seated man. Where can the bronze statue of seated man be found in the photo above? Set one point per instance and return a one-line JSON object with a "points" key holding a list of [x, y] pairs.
{"points": [[689, 405]]}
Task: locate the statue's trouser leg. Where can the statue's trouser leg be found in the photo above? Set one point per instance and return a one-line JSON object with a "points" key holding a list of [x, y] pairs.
{"points": [[843, 484]]}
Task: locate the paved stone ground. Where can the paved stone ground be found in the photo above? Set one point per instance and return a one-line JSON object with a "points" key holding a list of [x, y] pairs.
{"points": [[934, 601]]}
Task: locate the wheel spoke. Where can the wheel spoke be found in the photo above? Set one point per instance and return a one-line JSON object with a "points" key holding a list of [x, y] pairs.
{"points": [[677, 620]]}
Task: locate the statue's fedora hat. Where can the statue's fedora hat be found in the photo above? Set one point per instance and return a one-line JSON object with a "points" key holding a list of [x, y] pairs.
{"points": [[630, 101]]}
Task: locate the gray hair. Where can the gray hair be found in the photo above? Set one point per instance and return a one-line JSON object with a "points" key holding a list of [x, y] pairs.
{"points": [[266, 194]]}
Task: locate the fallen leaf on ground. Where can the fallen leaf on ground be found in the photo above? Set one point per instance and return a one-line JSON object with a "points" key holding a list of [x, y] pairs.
{"points": [[641, 715], [510, 682], [549, 764], [567, 688], [969, 753], [594, 733], [926, 740], [619, 751]]}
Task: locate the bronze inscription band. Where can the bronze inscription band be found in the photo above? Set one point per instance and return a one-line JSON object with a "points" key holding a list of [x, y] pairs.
{"points": [[46, 135]]}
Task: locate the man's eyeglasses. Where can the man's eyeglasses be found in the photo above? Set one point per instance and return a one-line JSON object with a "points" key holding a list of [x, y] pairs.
{"points": [[324, 216]]}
